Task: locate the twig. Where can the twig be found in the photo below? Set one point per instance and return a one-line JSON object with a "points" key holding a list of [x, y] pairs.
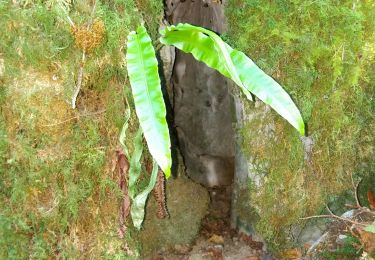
{"points": [[67, 15], [70, 20], [331, 215], [79, 80], [83, 60], [91, 16], [355, 188]]}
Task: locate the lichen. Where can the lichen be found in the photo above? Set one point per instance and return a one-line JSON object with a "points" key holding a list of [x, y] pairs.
{"points": [[323, 54]]}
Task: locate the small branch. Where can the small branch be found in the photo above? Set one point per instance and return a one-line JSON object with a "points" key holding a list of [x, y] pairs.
{"points": [[70, 21], [83, 60], [355, 188], [331, 215], [91, 16], [67, 15], [79, 80]]}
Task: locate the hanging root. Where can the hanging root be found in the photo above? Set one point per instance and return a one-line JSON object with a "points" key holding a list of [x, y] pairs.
{"points": [[160, 196], [122, 166]]}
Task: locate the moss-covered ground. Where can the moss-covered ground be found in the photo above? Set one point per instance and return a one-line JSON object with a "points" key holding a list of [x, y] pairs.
{"points": [[58, 194], [323, 53]]}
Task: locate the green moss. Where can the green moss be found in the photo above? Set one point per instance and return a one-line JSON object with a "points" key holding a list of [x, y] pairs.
{"points": [[58, 194], [185, 218], [323, 54]]}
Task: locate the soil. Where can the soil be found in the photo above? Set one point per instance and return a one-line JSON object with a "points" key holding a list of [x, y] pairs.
{"points": [[217, 240]]}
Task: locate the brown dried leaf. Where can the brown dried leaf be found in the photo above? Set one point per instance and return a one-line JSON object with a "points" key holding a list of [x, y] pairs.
{"points": [[367, 239], [123, 169], [371, 199], [160, 197]]}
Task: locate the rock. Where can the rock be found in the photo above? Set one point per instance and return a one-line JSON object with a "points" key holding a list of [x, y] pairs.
{"points": [[202, 102], [187, 204], [349, 214], [340, 239], [318, 242], [311, 232]]}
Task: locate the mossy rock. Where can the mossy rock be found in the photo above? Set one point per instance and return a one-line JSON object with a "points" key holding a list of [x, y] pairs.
{"points": [[59, 197], [187, 204], [322, 53]]}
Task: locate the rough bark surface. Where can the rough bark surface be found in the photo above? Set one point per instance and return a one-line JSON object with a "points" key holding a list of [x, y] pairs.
{"points": [[202, 103]]}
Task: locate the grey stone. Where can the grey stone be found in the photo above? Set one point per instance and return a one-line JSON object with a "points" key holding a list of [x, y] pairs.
{"points": [[202, 102], [187, 204]]}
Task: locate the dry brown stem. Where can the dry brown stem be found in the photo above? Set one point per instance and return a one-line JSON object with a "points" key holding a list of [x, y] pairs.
{"points": [[123, 172], [331, 215], [160, 197]]}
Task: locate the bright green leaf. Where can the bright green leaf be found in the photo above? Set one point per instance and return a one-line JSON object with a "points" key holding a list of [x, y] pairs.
{"points": [[125, 126], [137, 210], [370, 228], [135, 163], [224, 55], [148, 99], [209, 48]]}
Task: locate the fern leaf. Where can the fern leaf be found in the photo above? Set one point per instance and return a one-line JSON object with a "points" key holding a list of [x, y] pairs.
{"points": [[148, 99], [208, 47]]}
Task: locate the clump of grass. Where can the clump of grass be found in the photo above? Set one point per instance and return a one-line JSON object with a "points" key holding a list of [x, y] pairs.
{"points": [[58, 194], [323, 54]]}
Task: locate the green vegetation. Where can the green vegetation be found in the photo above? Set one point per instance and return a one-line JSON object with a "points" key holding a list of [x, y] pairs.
{"points": [[208, 47], [142, 66], [323, 52], [348, 250], [58, 194]]}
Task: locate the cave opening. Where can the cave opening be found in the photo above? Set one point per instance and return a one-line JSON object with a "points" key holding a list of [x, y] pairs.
{"points": [[203, 111]]}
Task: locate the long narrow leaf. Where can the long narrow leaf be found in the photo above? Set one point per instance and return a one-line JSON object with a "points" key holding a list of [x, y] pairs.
{"points": [[138, 207], [137, 210], [201, 46], [135, 163], [208, 47], [224, 55], [148, 99], [125, 126]]}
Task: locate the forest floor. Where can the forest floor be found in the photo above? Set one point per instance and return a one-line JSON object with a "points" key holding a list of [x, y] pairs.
{"points": [[217, 240]]}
